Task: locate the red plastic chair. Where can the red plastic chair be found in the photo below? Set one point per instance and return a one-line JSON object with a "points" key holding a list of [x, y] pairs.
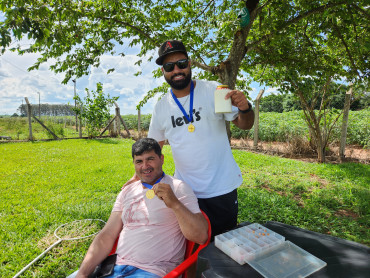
{"points": [[189, 258]]}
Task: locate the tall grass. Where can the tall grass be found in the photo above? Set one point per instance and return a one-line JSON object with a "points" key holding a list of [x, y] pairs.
{"points": [[17, 127], [46, 184], [281, 127]]}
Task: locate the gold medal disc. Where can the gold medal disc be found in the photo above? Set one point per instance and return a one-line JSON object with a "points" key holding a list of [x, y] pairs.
{"points": [[150, 194], [191, 128]]}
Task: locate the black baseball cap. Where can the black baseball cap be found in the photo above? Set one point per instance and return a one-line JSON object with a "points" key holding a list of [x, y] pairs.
{"points": [[170, 47]]}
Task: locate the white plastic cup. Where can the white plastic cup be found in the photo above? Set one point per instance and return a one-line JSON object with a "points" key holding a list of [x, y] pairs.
{"points": [[222, 105]]}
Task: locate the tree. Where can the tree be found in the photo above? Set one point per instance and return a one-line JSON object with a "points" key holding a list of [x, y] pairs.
{"points": [[291, 103], [94, 109], [48, 110], [333, 34], [307, 64], [272, 103]]}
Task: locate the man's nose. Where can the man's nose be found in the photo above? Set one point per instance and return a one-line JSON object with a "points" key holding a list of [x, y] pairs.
{"points": [[176, 69]]}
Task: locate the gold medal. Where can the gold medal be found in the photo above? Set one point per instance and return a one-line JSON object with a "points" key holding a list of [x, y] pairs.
{"points": [[191, 128], [150, 194]]}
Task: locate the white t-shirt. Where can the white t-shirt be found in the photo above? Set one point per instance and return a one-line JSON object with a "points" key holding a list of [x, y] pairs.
{"points": [[203, 159], [151, 238]]}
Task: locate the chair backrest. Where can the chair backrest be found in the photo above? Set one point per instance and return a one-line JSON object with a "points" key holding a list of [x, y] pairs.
{"points": [[190, 257]]}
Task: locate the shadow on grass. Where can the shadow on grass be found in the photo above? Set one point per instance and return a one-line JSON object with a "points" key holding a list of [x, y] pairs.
{"points": [[356, 171], [111, 141]]}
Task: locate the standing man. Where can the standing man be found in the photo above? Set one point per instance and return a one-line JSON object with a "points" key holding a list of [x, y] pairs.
{"points": [[186, 117]]}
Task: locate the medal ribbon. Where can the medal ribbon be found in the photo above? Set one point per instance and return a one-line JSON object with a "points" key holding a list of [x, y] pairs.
{"points": [[190, 117], [151, 186]]}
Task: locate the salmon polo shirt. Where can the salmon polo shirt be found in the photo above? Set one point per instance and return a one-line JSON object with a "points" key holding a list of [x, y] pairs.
{"points": [[151, 238]]}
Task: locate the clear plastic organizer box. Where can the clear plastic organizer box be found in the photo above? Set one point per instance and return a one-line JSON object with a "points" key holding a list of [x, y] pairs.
{"points": [[267, 252], [246, 243]]}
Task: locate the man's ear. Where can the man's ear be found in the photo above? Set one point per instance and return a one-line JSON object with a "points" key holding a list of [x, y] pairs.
{"points": [[162, 70], [162, 158]]}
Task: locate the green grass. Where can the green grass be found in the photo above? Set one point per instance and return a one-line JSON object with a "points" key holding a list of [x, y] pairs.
{"points": [[327, 198], [46, 184]]}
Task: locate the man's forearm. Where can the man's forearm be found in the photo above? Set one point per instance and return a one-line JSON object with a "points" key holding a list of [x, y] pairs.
{"points": [[95, 255], [102, 245], [193, 225], [244, 120]]}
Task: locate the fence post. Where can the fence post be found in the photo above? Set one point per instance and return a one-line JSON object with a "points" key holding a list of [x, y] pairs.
{"points": [[80, 127], [257, 117], [44, 126], [347, 104], [74, 82], [80, 122], [118, 123], [122, 121], [139, 123], [29, 114]]}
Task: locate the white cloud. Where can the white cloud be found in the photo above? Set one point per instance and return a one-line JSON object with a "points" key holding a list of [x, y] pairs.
{"points": [[270, 91], [16, 82]]}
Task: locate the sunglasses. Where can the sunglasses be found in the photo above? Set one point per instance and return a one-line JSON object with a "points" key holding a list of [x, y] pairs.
{"points": [[181, 64]]}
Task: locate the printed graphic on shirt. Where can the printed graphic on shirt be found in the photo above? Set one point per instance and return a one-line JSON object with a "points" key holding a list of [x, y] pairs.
{"points": [[136, 213], [180, 121]]}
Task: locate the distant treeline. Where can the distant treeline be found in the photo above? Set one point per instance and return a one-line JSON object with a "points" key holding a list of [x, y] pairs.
{"points": [[47, 109], [288, 102], [271, 103]]}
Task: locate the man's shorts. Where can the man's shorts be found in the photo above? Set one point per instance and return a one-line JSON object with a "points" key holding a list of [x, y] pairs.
{"points": [[126, 271], [222, 211]]}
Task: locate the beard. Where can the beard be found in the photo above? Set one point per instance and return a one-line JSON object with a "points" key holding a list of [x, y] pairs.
{"points": [[179, 84]]}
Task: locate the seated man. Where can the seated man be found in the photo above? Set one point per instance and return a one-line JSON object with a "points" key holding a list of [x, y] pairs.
{"points": [[152, 226]]}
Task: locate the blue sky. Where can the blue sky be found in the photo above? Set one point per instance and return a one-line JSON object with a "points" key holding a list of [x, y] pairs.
{"points": [[16, 82]]}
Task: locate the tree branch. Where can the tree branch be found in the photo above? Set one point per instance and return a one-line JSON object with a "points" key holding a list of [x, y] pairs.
{"points": [[308, 39], [339, 34], [361, 11], [298, 18], [140, 31], [260, 8], [325, 89], [203, 66], [192, 22], [322, 106], [311, 116]]}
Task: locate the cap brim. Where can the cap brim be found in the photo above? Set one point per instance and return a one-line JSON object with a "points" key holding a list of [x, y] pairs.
{"points": [[160, 59]]}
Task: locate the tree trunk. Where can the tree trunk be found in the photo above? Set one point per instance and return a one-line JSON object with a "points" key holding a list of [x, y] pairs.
{"points": [[228, 70], [320, 151], [318, 140]]}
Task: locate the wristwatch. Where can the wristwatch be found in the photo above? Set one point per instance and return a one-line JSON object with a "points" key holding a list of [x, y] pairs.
{"points": [[247, 110]]}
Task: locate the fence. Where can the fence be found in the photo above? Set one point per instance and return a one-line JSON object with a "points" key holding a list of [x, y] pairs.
{"points": [[117, 120], [114, 125]]}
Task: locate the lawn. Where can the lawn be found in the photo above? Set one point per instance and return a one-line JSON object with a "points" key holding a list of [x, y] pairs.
{"points": [[46, 184]]}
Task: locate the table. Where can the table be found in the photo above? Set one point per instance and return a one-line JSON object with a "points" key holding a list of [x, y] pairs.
{"points": [[344, 258]]}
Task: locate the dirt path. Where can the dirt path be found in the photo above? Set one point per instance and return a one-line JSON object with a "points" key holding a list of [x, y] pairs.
{"points": [[352, 153]]}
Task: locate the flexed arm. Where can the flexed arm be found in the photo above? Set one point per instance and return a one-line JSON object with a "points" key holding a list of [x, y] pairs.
{"points": [[193, 225]]}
